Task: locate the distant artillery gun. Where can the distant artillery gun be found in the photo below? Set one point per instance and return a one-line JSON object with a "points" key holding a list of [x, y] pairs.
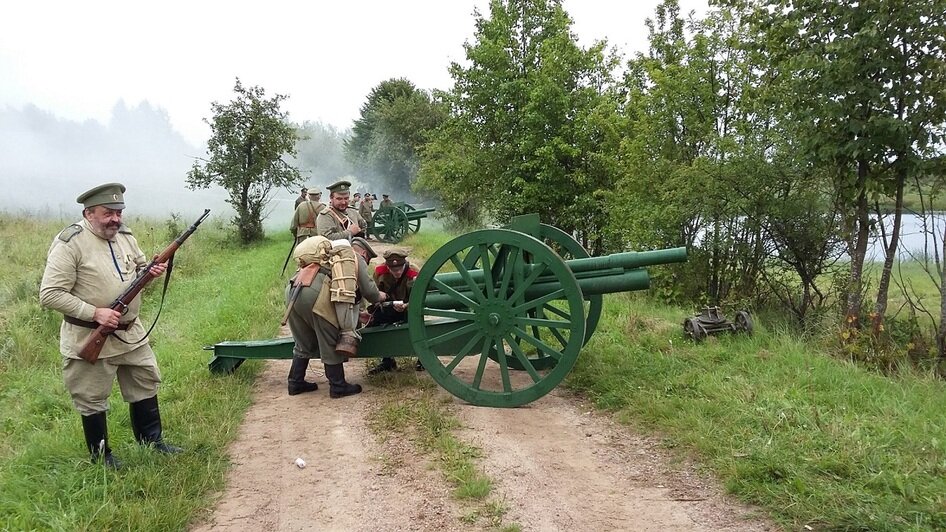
{"points": [[501, 300], [710, 321], [391, 224]]}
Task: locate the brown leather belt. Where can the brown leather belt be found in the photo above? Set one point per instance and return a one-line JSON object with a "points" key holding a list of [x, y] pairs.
{"points": [[92, 324]]}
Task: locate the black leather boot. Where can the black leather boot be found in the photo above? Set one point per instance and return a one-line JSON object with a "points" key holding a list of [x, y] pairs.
{"points": [[297, 382], [386, 364], [95, 428], [337, 385], [146, 424]]}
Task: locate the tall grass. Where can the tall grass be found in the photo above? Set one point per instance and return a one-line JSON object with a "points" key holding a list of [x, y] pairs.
{"points": [[785, 425], [218, 291], [815, 440]]}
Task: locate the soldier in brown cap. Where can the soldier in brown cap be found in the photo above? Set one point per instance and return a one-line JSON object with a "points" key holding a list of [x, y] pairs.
{"points": [[88, 265], [396, 278], [303, 220], [339, 220], [386, 202]]}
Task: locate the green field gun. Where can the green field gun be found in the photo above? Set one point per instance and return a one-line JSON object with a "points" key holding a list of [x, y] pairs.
{"points": [[497, 316], [392, 224]]}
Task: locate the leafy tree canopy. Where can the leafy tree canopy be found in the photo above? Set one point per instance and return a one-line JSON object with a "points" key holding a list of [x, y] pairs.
{"points": [[532, 121], [249, 138], [392, 129]]}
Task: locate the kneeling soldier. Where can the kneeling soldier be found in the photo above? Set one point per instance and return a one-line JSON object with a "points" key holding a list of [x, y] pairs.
{"points": [[396, 278]]}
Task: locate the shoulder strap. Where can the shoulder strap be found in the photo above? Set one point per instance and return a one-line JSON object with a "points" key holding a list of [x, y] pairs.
{"points": [[66, 234], [307, 274], [345, 223], [312, 213]]}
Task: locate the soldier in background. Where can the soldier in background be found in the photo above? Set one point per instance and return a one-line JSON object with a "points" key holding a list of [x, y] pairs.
{"points": [[302, 196], [385, 202], [366, 209], [303, 219], [339, 220], [88, 265]]}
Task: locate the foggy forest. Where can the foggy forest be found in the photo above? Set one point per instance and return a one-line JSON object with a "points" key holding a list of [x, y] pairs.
{"points": [[46, 161]]}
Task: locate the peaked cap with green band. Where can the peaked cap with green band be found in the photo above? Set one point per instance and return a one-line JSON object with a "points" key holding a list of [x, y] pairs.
{"points": [[340, 186], [108, 195]]}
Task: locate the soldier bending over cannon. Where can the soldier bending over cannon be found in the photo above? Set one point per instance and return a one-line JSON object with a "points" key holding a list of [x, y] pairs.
{"points": [[323, 321]]}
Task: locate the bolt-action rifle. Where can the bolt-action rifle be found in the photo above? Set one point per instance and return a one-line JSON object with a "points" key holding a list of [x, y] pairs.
{"points": [[93, 345]]}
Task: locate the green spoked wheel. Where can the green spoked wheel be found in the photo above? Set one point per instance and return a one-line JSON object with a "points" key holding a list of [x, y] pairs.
{"points": [[390, 225], [412, 225], [490, 300], [567, 248]]}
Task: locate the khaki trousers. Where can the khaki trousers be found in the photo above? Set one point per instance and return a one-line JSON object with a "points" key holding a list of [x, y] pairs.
{"points": [[90, 384]]}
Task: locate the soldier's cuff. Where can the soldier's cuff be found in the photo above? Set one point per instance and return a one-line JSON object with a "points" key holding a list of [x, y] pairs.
{"points": [[87, 312]]}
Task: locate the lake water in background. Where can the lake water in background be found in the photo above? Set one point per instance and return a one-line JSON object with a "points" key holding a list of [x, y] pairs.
{"points": [[913, 239]]}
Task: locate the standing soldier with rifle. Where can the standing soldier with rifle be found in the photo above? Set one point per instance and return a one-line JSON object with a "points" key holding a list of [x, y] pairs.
{"points": [[303, 195], [88, 264], [303, 219]]}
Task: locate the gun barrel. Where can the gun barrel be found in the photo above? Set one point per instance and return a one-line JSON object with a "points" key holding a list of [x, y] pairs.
{"points": [[628, 260], [626, 281], [587, 268]]}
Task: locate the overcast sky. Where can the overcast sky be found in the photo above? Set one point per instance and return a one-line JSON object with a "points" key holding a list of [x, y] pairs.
{"points": [[76, 59]]}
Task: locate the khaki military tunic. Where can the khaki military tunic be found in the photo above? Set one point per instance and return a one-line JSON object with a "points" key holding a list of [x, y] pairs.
{"points": [[303, 220], [84, 272], [89, 272], [333, 224], [385, 204], [365, 210], [315, 337]]}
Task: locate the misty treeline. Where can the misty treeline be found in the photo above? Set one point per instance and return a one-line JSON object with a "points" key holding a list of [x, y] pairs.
{"points": [[46, 161], [255, 151], [768, 137]]}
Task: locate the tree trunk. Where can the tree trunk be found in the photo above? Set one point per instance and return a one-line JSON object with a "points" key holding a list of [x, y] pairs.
{"points": [[880, 309], [862, 230], [941, 334]]}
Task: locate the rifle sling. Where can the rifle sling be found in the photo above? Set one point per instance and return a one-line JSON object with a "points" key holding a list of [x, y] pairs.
{"points": [[344, 223], [167, 279]]}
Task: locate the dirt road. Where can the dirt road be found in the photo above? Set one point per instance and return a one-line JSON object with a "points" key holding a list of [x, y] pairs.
{"points": [[555, 464]]}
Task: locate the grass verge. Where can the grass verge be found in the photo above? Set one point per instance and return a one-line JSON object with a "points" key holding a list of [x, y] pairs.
{"points": [[411, 408], [218, 291], [814, 440]]}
